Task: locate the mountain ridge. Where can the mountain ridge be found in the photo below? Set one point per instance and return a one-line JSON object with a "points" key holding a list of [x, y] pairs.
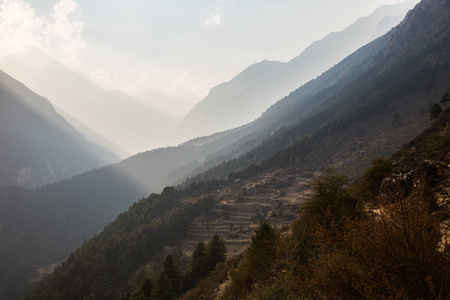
{"points": [[251, 98], [358, 117], [113, 119], [47, 148]]}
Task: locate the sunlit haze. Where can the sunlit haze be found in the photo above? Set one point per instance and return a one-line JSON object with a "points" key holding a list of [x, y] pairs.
{"points": [[181, 48], [175, 149]]}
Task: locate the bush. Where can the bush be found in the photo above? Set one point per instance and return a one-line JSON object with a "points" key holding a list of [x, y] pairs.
{"points": [[400, 255], [332, 201]]}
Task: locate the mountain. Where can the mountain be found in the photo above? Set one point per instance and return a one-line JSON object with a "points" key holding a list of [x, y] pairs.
{"points": [[353, 84], [38, 146], [367, 106], [110, 118], [175, 106], [60, 216], [346, 259], [401, 71], [246, 96]]}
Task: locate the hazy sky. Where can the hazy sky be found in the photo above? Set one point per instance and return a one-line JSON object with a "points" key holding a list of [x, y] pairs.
{"points": [[175, 46]]}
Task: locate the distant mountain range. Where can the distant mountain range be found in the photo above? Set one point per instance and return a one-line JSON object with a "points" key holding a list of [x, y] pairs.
{"points": [[333, 120], [367, 106], [37, 146], [113, 119], [251, 92], [176, 106]]}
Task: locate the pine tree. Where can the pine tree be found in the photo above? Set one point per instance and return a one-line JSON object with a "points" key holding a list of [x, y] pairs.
{"points": [[163, 288], [145, 290], [217, 252], [444, 99], [262, 248], [171, 270], [198, 262], [435, 111], [198, 267]]}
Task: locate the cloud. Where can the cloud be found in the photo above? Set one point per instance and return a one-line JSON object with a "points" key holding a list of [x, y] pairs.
{"points": [[59, 36], [19, 27], [64, 33], [214, 20]]}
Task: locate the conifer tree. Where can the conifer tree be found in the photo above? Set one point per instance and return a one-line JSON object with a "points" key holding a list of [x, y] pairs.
{"points": [[262, 248], [197, 268], [198, 262], [435, 111], [171, 270], [145, 290], [444, 99], [217, 252], [163, 288]]}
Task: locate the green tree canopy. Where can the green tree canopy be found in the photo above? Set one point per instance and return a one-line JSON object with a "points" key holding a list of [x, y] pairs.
{"points": [[435, 111], [171, 270], [331, 198], [444, 99], [197, 268], [145, 290], [371, 181], [262, 248], [217, 252], [163, 288]]}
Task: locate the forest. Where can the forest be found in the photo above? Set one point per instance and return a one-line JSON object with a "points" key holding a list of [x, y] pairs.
{"points": [[329, 194], [340, 244]]}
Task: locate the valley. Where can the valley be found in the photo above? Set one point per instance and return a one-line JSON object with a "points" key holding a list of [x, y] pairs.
{"points": [[286, 192]]}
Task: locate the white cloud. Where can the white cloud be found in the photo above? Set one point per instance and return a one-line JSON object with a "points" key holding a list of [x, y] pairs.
{"points": [[60, 36], [64, 33], [19, 27], [214, 20]]}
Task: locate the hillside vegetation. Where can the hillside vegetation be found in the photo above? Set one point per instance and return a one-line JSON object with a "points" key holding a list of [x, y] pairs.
{"points": [[368, 106], [335, 246]]}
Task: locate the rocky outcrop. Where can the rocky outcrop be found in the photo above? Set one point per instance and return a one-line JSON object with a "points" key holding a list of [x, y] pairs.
{"points": [[429, 174]]}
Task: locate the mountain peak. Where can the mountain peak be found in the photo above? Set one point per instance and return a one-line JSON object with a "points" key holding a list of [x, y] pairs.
{"points": [[246, 96]]}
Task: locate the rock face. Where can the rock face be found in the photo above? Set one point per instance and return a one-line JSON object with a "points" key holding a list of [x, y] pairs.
{"points": [[399, 186], [428, 161]]}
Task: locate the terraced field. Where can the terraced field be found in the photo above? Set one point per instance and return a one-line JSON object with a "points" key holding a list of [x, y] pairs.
{"points": [[275, 197]]}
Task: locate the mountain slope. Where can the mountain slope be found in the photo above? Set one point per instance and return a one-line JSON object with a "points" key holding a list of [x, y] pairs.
{"points": [[37, 145], [246, 96], [110, 118], [351, 255], [310, 107], [60, 216], [372, 80], [353, 124], [114, 116], [176, 106]]}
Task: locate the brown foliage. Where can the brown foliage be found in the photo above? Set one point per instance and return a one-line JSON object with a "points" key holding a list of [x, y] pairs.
{"points": [[398, 255]]}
